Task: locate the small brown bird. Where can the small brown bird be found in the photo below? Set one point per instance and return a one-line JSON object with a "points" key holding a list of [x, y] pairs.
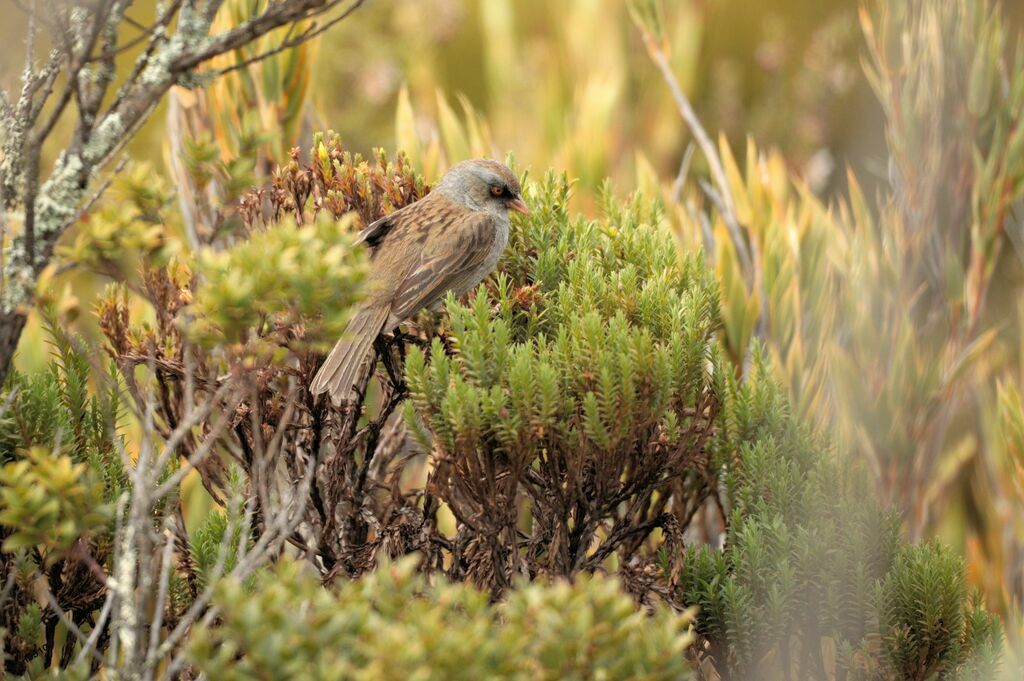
{"points": [[447, 241]]}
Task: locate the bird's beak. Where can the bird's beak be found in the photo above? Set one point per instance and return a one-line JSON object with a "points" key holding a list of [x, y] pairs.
{"points": [[518, 205]]}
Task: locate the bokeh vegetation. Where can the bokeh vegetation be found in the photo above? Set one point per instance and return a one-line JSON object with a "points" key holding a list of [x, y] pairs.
{"points": [[863, 324], [538, 445]]}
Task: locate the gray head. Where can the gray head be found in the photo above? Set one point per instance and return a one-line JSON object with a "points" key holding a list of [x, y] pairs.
{"points": [[483, 184]]}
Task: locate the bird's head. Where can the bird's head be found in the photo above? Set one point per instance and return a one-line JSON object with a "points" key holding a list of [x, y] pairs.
{"points": [[483, 184]]}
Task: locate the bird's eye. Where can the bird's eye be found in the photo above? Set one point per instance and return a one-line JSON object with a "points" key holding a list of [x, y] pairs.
{"points": [[497, 190]]}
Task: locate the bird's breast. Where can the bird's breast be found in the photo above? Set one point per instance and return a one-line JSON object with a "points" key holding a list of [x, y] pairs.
{"points": [[496, 248]]}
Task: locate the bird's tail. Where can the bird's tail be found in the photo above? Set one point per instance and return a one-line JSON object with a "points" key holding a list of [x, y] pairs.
{"points": [[338, 372]]}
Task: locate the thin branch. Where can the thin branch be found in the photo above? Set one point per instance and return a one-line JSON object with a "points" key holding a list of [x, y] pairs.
{"points": [[684, 171], [136, 99], [108, 606], [136, 24], [48, 79], [12, 573], [728, 204], [312, 31], [51, 601], [172, 483], [32, 172], [148, 32], [75, 63], [158, 34], [184, 429], [30, 41], [103, 186], [276, 16], [87, 94], [165, 567], [275, 535], [288, 42]]}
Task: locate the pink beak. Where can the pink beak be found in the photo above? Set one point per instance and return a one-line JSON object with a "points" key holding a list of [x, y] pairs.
{"points": [[518, 205]]}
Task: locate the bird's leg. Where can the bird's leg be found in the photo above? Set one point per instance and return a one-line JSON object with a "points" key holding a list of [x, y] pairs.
{"points": [[382, 344], [400, 340], [404, 338]]}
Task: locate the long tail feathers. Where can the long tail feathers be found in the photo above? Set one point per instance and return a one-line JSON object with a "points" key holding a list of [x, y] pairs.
{"points": [[338, 372]]}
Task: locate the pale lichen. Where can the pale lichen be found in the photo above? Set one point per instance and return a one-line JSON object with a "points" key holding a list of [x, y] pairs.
{"points": [[104, 139], [56, 205], [158, 67], [60, 195], [59, 199], [19, 280]]}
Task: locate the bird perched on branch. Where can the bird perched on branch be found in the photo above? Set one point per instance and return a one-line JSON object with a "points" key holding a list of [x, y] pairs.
{"points": [[447, 241]]}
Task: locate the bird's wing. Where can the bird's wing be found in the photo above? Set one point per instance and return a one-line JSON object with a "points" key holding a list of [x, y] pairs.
{"points": [[376, 231], [394, 227], [452, 253]]}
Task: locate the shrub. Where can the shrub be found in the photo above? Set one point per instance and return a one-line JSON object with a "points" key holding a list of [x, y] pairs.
{"points": [[62, 473], [814, 581], [892, 316], [575, 415], [392, 624], [570, 419]]}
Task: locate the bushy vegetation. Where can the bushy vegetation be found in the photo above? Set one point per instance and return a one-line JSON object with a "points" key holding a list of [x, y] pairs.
{"points": [[814, 580], [61, 477], [544, 444], [649, 446], [572, 416], [891, 315], [392, 624]]}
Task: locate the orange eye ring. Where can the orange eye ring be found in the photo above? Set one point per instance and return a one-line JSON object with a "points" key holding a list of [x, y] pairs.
{"points": [[497, 191]]}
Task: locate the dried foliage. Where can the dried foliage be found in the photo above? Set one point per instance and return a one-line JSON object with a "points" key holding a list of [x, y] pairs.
{"points": [[594, 408], [894, 320], [78, 80], [240, 336]]}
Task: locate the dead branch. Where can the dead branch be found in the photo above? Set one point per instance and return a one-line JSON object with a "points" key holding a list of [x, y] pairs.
{"points": [[73, 82]]}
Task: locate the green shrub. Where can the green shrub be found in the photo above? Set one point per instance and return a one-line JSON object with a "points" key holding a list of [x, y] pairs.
{"points": [[61, 473], [275, 279], [581, 419], [814, 579], [393, 624], [585, 402], [48, 502], [577, 397]]}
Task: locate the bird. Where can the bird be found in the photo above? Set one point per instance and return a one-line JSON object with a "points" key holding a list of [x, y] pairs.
{"points": [[447, 241]]}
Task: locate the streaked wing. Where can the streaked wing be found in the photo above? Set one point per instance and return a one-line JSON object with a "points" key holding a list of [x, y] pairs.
{"points": [[395, 228], [447, 260], [376, 231]]}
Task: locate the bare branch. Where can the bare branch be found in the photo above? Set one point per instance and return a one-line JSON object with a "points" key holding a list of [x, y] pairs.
{"points": [[289, 42], [727, 203], [684, 171], [157, 36], [52, 603], [276, 16], [165, 569], [179, 43]]}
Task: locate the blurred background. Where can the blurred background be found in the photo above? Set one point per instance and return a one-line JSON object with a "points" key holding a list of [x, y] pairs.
{"points": [[569, 85]]}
